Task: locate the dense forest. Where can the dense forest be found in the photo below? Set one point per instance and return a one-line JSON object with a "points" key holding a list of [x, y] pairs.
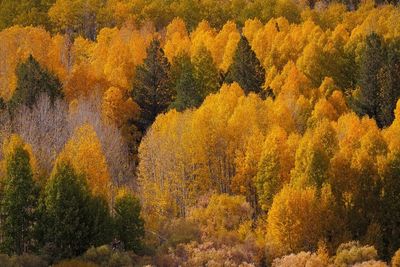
{"points": [[199, 133]]}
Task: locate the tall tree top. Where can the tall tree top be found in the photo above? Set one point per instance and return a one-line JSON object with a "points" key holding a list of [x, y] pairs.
{"points": [[151, 85], [32, 80], [246, 69]]}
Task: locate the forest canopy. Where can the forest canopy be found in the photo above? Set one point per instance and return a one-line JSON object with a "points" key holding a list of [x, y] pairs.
{"points": [[199, 133]]}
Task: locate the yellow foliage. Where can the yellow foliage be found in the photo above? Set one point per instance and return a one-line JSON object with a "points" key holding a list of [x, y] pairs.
{"points": [[85, 154], [324, 109], [203, 35], [82, 50], [247, 166], [306, 129], [391, 133], [222, 45], [223, 215], [184, 155], [116, 54], [294, 220], [164, 185], [123, 11], [9, 146], [313, 155], [83, 82], [251, 27], [116, 109], [396, 259], [17, 43], [177, 40]]}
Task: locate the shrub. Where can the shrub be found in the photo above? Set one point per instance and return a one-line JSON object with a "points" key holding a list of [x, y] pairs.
{"points": [[105, 256], [351, 253], [5, 260], [100, 255], [181, 231], [28, 260], [299, 260], [371, 263]]}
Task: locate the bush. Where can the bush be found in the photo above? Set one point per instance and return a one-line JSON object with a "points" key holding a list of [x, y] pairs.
{"points": [[28, 260], [181, 231], [222, 218], [100, 255], [105, 256], [351, 253], [5, 260], [119, 259], [210, 254], [24, 260], [372, 263], [299, 260]]}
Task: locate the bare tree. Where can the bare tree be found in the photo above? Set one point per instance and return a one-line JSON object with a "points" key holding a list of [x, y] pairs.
{"points": [[119, 160], [45, 128]]}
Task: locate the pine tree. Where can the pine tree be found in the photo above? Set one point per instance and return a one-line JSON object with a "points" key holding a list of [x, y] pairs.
{"points": [[129, 226], [100, 221], [32, 80], [65, 224], [389, 86], [206, 73], [246, 69], [18, 203], [372, 59], [187, 93], [151, 86]]}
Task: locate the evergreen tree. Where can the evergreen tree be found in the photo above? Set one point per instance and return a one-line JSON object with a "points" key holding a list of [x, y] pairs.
{"points": [[206, 73], [100, 221], [151, 86], [379, 80], [32, 80], [18, 203], [389, 86], [372, 58], [129, 226], [187, 93], [65, 224], [246, 69]]}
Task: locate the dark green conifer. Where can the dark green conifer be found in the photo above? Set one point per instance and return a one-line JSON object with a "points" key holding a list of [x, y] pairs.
{"points": [[18, 204], [206, 73], [187, 91], [66, 220], [32, 81], [246, 69], [129, 226], [152, 90]]}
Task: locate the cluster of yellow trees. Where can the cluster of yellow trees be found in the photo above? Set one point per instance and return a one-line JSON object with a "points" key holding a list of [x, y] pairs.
{"points": [[295, 171], [310, 168], [247, 146], [317, 48]]}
